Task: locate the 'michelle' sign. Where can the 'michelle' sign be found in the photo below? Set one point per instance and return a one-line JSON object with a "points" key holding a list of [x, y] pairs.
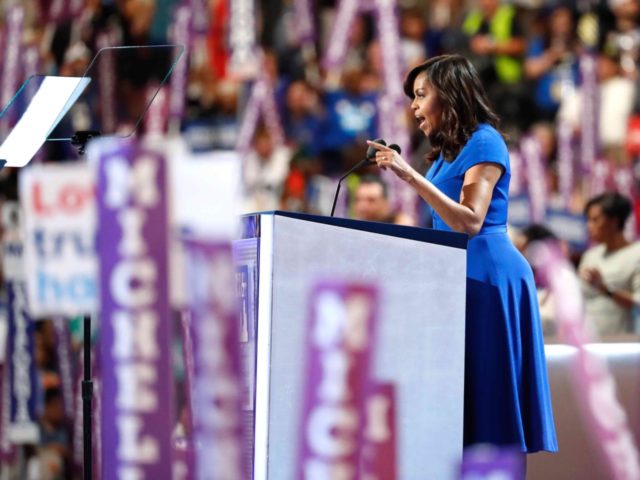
{"points": [[58, 203]]}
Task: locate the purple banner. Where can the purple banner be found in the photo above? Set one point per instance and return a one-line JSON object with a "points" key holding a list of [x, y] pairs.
{"points": [[65, 364], [600, 177], [516, 186], [11, 66], [201, 15], [217, 388], [589, 134], [107, 82], [23, 426], [242, 38], [135, 357], [183, 459], [57, 11], [262, 101], [339, 341], [155, 119], [187, 352], [338, 41], [304, 23], [624, 184], [379, 456], [21, 373], [536, 178], [565, 162], [180, 35]]}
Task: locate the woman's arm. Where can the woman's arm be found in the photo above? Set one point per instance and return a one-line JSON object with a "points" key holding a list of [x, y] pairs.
{"points": [[467, 215]]}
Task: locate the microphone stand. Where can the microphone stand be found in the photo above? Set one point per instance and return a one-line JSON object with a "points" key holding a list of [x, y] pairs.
{"points": [[351, 170], [79, 140]]}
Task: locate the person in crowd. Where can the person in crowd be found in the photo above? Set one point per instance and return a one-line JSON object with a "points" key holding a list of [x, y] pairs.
{"points": [[616, 97], [610, 269], [301, 116], [264, 172], [552, 61], [371, 202], [497, 45], [507, 399], [625, 34], [413, 29], [350, 118]]}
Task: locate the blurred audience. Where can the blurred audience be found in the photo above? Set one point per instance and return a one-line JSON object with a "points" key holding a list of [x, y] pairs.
{"points": [[497, 45]]}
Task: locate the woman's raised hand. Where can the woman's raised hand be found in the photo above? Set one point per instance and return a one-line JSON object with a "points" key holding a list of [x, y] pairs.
{"points": [[387, 157]]}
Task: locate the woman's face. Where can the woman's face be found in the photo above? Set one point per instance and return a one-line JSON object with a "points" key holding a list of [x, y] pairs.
{"points": [[600, 226], [426, 106]]}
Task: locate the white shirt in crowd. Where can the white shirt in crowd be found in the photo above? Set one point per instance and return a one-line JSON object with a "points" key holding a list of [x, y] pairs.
{"points": [[620, 270]]}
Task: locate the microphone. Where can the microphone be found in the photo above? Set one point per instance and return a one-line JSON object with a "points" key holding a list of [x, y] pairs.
{"points": [[369, 156], [371, 153]]}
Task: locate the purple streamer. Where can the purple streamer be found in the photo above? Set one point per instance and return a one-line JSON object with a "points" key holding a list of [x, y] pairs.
{"points": [[624, 183], [338, 349], [200, 16], [107, 83], [181, 35], [517, 173], [337, 49], [565, 162], [600, 177], [65, 363], [242, 37], [589, 134], [23, 426], [12, 64], [217, 415], [155, 120], [536, 178], [261, 102], [135, 360], [304, 24], [187, 352]]}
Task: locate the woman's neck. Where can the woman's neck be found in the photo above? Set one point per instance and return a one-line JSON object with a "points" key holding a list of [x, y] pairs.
{"points": [[616, 242]]}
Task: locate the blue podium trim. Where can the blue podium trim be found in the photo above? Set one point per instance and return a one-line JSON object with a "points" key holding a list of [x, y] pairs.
{"points": [[438, 237]]}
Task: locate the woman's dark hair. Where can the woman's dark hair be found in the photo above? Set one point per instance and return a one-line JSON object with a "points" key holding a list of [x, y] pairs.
{"points": [[613, 205], [464, 102]]}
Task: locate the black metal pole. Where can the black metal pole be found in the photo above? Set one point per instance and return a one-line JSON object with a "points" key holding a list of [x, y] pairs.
{"points": [[87, 397]]}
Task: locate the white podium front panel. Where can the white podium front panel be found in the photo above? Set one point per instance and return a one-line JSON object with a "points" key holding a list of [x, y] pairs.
{"points": [[420, 338]]}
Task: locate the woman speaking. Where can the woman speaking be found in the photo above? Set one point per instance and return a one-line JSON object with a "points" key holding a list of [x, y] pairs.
{"points": [[507, 399]]}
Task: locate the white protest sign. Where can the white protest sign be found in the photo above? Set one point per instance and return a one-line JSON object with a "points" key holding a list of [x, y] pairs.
{"points": [[58, 202]]}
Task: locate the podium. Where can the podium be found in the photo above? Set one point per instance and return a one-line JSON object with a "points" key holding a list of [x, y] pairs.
{"points": [[421, 276]]}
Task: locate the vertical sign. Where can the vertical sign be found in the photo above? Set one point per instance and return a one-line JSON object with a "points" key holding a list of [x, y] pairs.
{"points": [[338, 350], [60, 250], [135, 345], [217, 389], [19, 360], [379, 456]]}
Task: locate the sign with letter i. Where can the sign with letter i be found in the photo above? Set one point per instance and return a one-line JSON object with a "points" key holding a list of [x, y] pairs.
{"points": [[340, 337], [135, 354]]}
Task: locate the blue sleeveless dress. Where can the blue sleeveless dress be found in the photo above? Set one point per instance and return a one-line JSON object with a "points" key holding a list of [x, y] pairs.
{"points": [[507, 400]]}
